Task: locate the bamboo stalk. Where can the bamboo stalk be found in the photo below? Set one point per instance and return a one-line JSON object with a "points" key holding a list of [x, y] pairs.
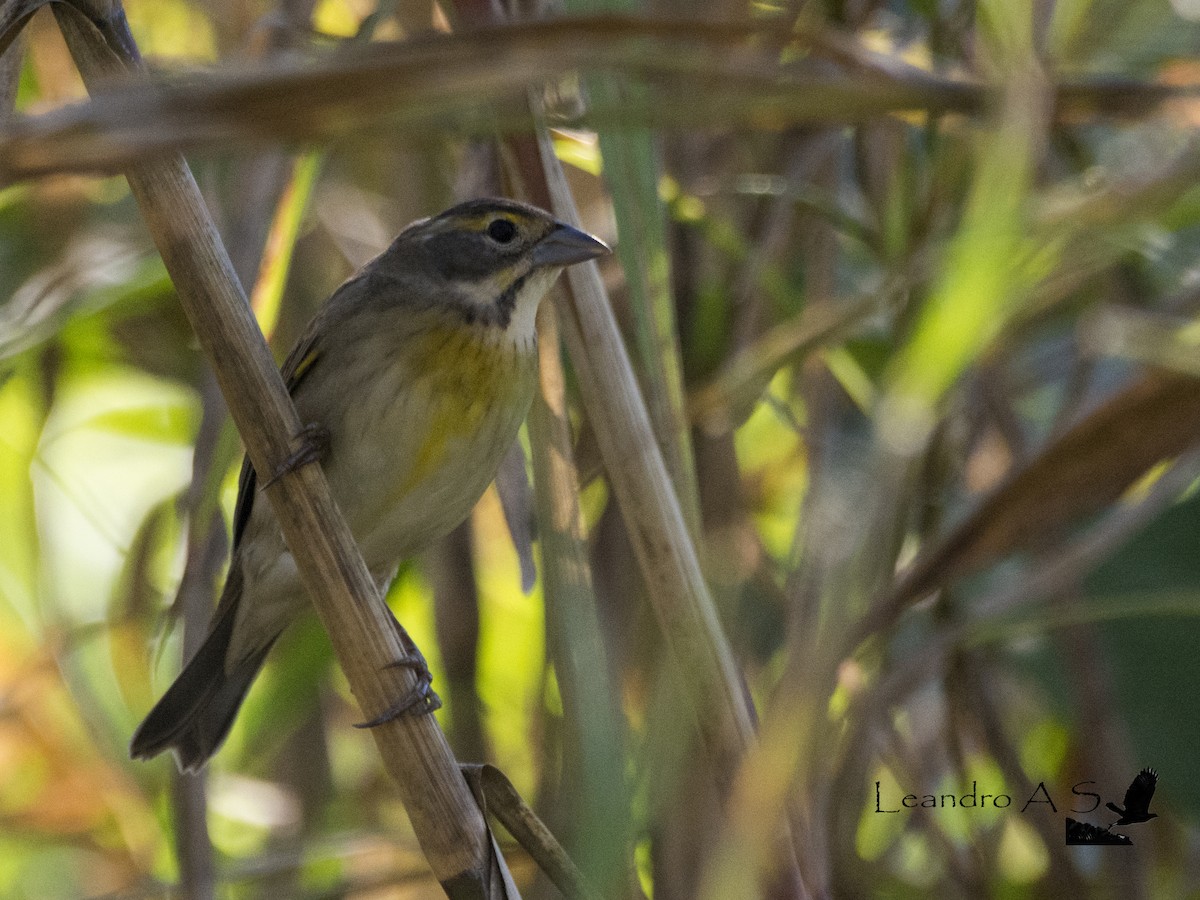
{"points": [[442, 82], [639, 478], [697, 645], [573, 629], [444, 815], [632, 166]]}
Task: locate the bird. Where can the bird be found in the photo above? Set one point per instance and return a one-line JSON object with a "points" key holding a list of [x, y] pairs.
{"points": [[1137, 800], [413, 378]]}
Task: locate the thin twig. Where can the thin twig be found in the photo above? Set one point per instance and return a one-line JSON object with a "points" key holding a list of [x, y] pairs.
{"points": [[475, 80]]}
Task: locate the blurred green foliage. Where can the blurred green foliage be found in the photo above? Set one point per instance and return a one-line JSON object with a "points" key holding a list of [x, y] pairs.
{"points": [[852, 330]]}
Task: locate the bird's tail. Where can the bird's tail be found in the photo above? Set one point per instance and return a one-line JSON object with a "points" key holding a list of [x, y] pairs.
{"points": [[195, 714]]}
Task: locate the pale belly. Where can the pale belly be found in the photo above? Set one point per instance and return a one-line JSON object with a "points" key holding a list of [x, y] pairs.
{"points": [[419, 473]]}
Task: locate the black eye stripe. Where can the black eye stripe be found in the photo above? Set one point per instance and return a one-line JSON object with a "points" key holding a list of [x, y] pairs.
{"points": [[502, 231]]}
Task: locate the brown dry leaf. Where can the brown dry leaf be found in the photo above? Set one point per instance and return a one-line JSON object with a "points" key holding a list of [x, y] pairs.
{"points": [[1079, 473]]}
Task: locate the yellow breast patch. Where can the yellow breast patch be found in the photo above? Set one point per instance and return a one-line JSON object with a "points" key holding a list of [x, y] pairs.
{"points": [[464, 377]]}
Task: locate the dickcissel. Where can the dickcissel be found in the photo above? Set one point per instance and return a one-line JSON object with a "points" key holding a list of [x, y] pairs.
{"points": [[415, 376]]}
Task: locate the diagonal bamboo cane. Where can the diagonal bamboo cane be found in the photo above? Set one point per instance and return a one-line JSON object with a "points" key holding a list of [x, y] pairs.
{"points": [[444, 815], [692, 633]]}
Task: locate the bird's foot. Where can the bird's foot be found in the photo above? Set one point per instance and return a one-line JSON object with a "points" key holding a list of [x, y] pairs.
{"points": [[420, 701], [313, 447]]}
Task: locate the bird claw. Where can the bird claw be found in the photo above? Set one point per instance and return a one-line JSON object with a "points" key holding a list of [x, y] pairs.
{"points": [[314, 447], [420, 701]]}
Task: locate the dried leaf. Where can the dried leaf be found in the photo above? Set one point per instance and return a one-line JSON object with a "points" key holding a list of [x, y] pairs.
{"points": [[1079, 473]]}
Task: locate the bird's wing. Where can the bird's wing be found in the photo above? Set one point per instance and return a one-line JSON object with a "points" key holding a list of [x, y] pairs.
{"points": [[1137, 798], [297, 365]]}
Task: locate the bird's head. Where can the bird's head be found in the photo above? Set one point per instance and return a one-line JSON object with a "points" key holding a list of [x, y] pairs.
{"points": [[493, 260]]}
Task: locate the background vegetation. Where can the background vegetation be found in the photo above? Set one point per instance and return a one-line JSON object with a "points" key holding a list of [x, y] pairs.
{"points": [[911, 291]]}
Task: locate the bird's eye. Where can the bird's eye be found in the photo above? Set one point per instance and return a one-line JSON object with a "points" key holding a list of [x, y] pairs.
{"points": [[502, 231]]}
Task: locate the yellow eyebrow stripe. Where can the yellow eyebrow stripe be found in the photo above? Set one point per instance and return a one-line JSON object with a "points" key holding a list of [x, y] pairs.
{"points": [[482, 220]]}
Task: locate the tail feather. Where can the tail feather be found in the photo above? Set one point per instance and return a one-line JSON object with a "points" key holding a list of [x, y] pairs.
{"points": [[195, 714]]}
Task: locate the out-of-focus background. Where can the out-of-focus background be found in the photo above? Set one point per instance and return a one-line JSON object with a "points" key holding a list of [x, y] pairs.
{"points": [[912, 288]]}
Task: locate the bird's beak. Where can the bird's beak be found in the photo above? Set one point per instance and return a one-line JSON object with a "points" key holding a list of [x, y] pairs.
{"points": [[566, 245]]}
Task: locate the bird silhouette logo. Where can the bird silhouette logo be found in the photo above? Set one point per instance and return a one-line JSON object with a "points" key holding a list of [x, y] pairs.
{"points": [[1137, 800], [1135, 812]]}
